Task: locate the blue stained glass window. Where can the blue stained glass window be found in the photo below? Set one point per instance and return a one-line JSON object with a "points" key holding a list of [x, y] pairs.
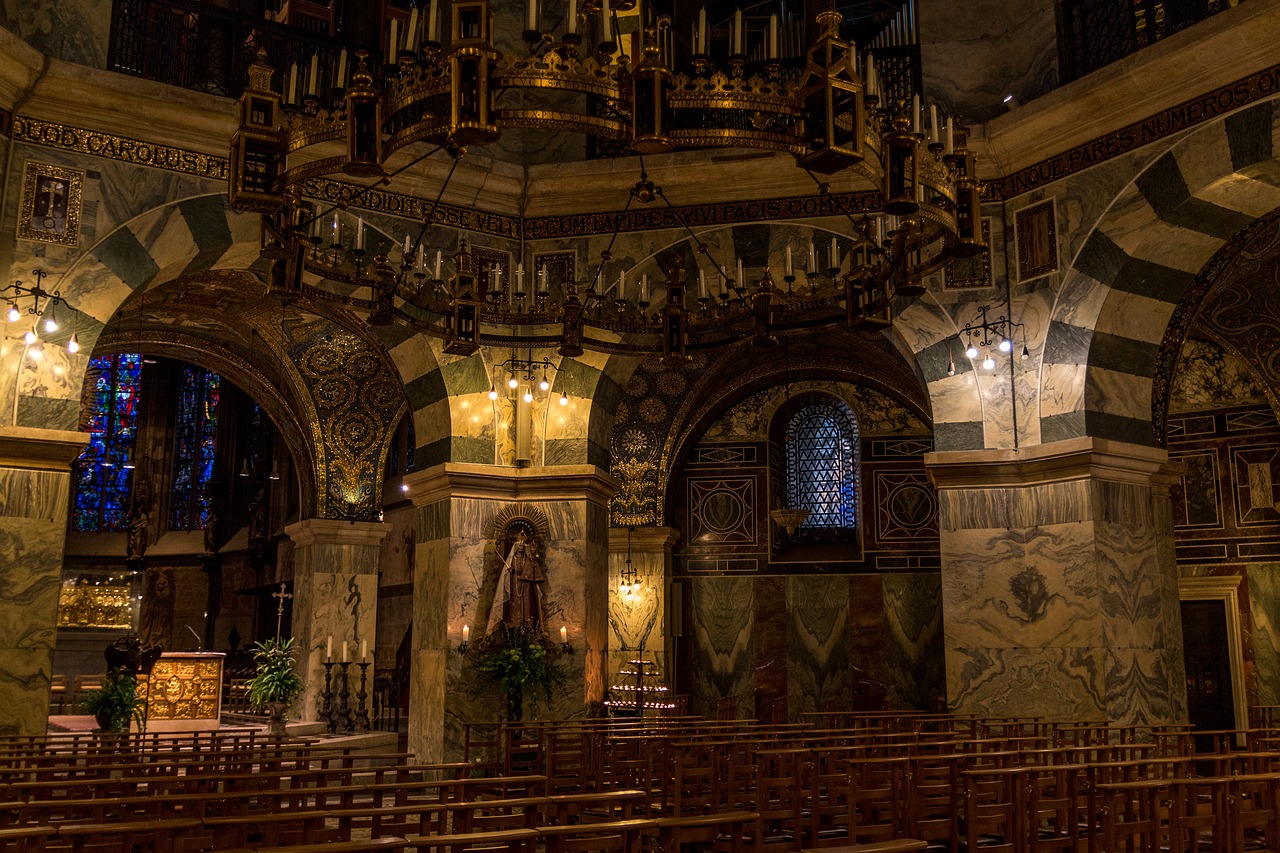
{"points": [[822, 471], [104, 471], [410, 443], [194, 447]]}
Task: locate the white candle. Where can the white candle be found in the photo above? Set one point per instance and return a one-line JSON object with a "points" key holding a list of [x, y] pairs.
{"points": [[702, 30], [773, 36], [572, 25], [702, 283], [408, 247], [644, 288], [466, 633], [411, 34], [439, 258], [951, 137], [314, 76], [344, 651], [531, 21], [432, 18], [293, 84], [741, 280], [790, 270], [341, 81], [337, 232], [364, 650], [564, 634], [915, 113], [933, 123], [359, 233], [328, 649], [422, 257], [622, 285], [813, 258], [739, 35], [542, 278], [394, 41], [520, 276], [834, 259], [608, 22]]}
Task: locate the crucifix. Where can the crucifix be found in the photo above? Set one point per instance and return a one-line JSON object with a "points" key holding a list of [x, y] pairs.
{"points": [[281, 595]]}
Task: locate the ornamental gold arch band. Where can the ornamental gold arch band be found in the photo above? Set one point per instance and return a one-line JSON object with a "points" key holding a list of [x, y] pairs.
{"points": [[441, 92]]}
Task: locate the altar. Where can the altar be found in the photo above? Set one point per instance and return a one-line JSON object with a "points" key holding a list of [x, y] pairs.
{"points": [[183, 693]]}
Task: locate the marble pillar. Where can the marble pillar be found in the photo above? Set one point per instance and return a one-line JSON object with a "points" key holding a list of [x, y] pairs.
{"points": [[335, 589], [1060, 593], [35, 483], [459, 508], [644, 620]]}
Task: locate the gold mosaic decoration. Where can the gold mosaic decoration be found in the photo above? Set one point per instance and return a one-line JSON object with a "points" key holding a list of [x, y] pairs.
{"points": [[87, 606], [635, 504], [183, 689]]}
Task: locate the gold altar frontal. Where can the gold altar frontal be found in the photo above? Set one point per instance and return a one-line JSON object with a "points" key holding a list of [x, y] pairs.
{"points": [[183, 693]]}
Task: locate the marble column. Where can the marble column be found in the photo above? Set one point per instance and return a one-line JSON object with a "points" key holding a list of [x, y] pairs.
{"points": [[459, 506], [335, 594], [642, 621], [1060, 593], [35, 484]]}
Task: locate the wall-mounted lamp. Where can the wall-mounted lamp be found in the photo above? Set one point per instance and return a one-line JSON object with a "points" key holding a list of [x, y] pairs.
{"points": [[466, 640], [564, 641], [985, 337]]}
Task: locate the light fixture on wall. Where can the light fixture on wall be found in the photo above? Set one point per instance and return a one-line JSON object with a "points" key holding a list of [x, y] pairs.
{"points": [[41, 301], [985, 337], [629, 580], [526, 373]]}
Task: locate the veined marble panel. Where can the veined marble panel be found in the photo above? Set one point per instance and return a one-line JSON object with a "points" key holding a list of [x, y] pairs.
{"points": [[30, 579], [1080, 300], [915, 658], [24, 690], [1061, 388], [34, 494], [817, 642], [956, 399], [1208, 376], [1056, 684], [1146, 686], [1244, 192], [1134, 589], [1137, 317], [1031, 588], [723, 649], [1264, 607], [1121, 394]]}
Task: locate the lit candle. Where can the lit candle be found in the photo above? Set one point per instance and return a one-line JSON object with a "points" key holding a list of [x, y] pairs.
{"points": [[328, 649], [466, 633], [773, 36], [394, 41], [790, 270], [432, 17], [344, 651], [364, 651], [531, 22], [293, 83], [572, 25], [564, 634], [341, 81], [411, 34], [439, 258]]}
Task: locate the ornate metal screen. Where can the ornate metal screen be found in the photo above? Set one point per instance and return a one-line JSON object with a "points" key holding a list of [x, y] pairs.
{"points": [[822, 470], [1095, 33]]}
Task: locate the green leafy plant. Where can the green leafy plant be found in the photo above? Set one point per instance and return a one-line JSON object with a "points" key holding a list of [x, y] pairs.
{"points": [[116, 703], [274, 680], [517, 657]]}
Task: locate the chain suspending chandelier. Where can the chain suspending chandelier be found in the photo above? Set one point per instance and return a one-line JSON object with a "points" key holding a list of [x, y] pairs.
{"points": [[443, 92]]}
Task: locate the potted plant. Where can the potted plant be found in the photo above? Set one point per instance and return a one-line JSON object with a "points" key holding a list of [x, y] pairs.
{"points": [[275, 683], [514, 657], [116, 703]]}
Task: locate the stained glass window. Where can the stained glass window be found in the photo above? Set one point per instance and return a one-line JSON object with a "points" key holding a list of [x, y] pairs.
{"points": [[194, 447], [410, 442], [822, 471], [104, 471]]}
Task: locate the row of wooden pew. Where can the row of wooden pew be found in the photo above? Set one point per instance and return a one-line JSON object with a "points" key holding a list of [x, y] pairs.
{"points": [[888, 782]]}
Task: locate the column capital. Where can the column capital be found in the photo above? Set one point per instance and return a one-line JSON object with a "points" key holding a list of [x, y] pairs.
{"points": [[332, 531], [500, 482], [1085, 458], [43, 449], [644, 539]]}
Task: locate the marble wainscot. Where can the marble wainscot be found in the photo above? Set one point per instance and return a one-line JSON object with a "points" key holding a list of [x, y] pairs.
{"points": [[35, 482], [459, 508], [1059, 589]]}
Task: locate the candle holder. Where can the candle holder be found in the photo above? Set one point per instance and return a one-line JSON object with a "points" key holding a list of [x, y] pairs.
{"points": [[326, 698], [342, 710], [362, 709]]}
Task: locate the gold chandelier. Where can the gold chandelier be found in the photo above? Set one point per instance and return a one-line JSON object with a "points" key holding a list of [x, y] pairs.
{"points": [[832, 116]]}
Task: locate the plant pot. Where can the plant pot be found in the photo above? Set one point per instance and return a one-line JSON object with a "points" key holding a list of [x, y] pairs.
{"points": [[276, 718]]}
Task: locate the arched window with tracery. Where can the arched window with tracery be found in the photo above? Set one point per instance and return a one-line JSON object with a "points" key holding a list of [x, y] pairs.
{"points": [[195, 447], [104, 471], [822, 465]]}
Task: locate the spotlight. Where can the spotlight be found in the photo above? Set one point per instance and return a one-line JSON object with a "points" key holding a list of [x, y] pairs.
{"points": [[1010, 101], [404, 487]]}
